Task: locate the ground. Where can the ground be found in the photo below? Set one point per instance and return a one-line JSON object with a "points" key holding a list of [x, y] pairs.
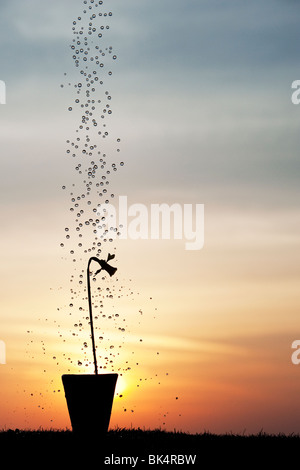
{"points": [[138, 448]]}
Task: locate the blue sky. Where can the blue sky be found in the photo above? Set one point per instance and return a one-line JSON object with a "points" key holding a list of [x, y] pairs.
{"points": [[207, 83]]}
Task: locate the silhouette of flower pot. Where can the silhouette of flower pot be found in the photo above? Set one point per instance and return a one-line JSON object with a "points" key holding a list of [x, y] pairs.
{"points": [[89, 400], [90, 397]]}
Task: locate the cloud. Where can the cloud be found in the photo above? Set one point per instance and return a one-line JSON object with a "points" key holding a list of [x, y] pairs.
{"points": [[197, 35], [201, 90], [34, 21]]}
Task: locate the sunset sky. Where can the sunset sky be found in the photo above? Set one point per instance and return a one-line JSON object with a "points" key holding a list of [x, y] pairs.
{"points": [[201, 100]]}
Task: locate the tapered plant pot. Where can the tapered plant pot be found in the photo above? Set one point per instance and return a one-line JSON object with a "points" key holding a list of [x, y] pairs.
{"points": [[89, 400]]}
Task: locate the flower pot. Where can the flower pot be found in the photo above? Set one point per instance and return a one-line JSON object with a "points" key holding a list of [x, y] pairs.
{"points": [[89, 400]]}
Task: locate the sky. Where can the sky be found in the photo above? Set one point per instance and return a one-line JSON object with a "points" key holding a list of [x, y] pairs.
{"points": [[201, 99]]}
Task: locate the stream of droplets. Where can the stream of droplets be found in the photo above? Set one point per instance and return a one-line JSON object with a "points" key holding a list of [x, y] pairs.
{"points": [[95, 152]]}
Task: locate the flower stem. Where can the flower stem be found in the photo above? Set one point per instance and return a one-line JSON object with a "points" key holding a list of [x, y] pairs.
{"points": [[91, 314]]}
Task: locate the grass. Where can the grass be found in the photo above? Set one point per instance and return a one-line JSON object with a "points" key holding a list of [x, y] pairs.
{"points": [[230, 448]]}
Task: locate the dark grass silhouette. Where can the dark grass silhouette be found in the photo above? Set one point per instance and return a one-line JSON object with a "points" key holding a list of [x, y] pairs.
{"points": [[66, 448]]}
